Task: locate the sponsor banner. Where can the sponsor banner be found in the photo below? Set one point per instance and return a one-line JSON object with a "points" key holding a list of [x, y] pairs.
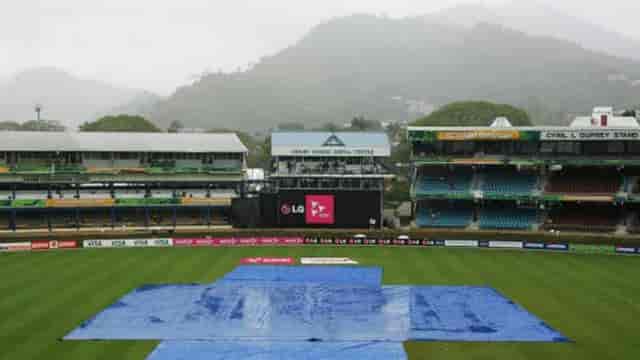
{"points": [[327, 241], [627, 250], [124, 243], [478, 135], [371, 241], [437, 243], [483, 243], [533, 245], [559, 247], [311, 241], [593, 249], [461, 243], [401, 242], [248, 241], [414, 242], [320, 209], [506, 244], [15, 246], [40, 245], [268, 260], [425, 242], [327, 261], [65, 244], [590, 135]]}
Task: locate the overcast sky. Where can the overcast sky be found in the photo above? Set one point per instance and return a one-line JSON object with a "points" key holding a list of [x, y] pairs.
{"points": [[160, 44]]}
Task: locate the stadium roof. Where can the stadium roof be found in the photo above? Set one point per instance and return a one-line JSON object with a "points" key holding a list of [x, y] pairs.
{"points": [[322, 143], [32, 141]]}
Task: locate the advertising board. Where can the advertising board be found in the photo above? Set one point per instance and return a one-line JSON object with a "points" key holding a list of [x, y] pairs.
{"points": [[461, 243], [506, 244], [478, 135], [335, 209], [557, 247], [627, 250], [15, 246], [267, 261], [327, 261], [124, 243], [533, 245], [231, 241]]}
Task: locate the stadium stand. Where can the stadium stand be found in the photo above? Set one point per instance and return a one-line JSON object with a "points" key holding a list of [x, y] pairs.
{"points": [[507, 181], [593, 181], [444, 215], [507, 218], [577, 217], [439, 180]]}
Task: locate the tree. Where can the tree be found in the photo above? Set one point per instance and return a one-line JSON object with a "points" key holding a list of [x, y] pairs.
{"points": [[474, 113], [175, 126], [359, 123], [328, 127], [291, 126], [10, 125], [120, 123], [259, 151], [42, 125]]}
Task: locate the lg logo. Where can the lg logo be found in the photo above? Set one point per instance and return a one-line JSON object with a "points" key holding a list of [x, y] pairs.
{"points": [[288, 209]]}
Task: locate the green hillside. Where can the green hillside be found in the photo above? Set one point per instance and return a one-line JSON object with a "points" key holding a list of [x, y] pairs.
{"points": [[377, 67], [474, 113]]}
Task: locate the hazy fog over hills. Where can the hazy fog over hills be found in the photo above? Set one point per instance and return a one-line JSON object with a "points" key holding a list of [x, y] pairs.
{"points": [[535, 18], [64, 97], [378, 67]]}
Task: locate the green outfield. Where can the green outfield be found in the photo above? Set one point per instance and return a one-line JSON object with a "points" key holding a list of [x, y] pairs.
{"points": [[592, 299]]}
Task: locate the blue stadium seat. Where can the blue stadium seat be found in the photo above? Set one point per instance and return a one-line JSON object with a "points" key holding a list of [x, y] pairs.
{"points": [[507, 218], [456, 182], [444, 217], [508, 182]]}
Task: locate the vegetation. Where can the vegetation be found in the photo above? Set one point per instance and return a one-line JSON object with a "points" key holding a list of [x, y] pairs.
{"points": [[259, 150], [586, 297], [120, 123], [33, 125], [474, 113], [175, 126]]}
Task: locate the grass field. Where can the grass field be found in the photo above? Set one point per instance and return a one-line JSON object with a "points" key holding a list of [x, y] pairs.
{"points": [[592, 299]]}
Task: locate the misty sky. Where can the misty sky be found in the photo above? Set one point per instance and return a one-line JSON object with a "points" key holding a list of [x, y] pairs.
{"points": [[160, 44]]}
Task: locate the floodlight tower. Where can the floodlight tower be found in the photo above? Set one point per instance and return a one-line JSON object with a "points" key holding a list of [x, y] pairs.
{"points": [[38, 109]]}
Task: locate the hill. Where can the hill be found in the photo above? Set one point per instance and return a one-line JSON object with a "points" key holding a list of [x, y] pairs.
{"points": [[541, 20], [474, 113], [65, 98], [385, 68]]}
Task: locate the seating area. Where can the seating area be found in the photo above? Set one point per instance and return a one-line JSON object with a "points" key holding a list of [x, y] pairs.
{"points": [[592, 181], [506, 181], [507, 218], [444, 215], [443, 181], [576, 217]]}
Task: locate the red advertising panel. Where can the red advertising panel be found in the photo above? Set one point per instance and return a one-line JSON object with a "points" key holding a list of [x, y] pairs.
{"points": [[268, 260], [66, 244], [40, 245], [320, 209], [248, 241], [15, 246]]}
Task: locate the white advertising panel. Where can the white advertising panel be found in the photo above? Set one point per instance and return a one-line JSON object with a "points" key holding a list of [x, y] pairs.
{"points": [[327, 261], [122, 243], [461, 243], [506, 244]]}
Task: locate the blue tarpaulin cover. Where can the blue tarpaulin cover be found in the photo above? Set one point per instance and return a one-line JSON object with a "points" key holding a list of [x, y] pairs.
{"points": [[308, 312], [251, 350], [274, 311], [352, 275]]}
